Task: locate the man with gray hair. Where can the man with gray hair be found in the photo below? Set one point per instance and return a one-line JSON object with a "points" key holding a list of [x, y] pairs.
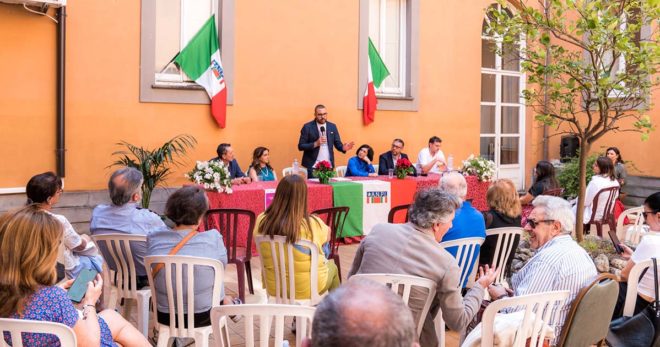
{"points": [[468, 222], [124, 216], [559, 263], [362, 313], [413, 249]]}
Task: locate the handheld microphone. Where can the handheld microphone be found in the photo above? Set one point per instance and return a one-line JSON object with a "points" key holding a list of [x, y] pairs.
{"points": [[322, 130]]}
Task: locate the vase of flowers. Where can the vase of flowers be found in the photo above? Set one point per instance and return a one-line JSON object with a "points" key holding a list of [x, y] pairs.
{"points": [[481, 167], [403, 168], [323, 171], [213, 175]]}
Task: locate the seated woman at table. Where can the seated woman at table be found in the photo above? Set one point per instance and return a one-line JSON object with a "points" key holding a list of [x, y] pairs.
{"points": [[544, 180], [504, 212], [260, 169], [288, 216], [360, 164], [603, 178]]}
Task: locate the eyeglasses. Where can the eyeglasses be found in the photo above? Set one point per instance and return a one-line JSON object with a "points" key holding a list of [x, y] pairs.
{"points": [[533, 223], [397, 147], [322, 114]]}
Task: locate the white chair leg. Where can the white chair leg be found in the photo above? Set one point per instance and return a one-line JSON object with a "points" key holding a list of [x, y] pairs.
{"points": [[143, 313], [440, 329], [163, 336], [113, 298], [202, 338]]}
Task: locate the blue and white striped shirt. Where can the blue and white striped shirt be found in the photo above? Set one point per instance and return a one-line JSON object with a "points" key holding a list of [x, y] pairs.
{"points": [[560, 264]]}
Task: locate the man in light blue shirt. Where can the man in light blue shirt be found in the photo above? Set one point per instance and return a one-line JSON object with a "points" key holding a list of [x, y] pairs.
{"points": [[124, 216]]}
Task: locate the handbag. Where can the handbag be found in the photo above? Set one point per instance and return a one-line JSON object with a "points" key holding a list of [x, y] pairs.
{"points": [[642, 329]]}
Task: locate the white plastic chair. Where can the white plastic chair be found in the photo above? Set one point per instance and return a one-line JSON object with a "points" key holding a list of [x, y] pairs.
{"points": [[266, 313], [177, 308], [503, 249], [404, 283], [466, 255], [375, 168], [15, 327], [285, 291], [631, 233], [540, 309], [633, 282], [117, 246], [289, 170], [341, 171]]}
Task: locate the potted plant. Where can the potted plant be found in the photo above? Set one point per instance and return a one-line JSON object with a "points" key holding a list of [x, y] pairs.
{"points": [[154, 163], [323, 170], [212, 174], [480, 167], [403, 168]]}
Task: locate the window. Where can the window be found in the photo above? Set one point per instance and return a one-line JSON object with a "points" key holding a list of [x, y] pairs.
{"points": [[393, 27], [166, 27]]}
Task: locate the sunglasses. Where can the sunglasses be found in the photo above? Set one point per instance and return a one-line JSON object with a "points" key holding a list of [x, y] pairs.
{"points": [[533, 223]]}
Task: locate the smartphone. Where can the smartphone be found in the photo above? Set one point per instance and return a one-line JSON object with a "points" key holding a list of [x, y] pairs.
{"points": [[79, 287], [615, 241]]}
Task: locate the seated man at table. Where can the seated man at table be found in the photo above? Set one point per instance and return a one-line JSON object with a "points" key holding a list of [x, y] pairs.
{"points": [[124, 216], [387, 160], [468, 222], [226, 154], [431, 159]]}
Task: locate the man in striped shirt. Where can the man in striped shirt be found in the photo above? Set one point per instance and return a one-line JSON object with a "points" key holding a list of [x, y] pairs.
{"points": [[559, 263]]}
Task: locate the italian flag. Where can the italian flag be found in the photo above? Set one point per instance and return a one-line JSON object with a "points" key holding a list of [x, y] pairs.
{"points": [[377, 72], [200, 60]]}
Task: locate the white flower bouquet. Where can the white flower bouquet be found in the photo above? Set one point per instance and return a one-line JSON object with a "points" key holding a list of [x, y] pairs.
{"points": [[481, 167], [213, 175]]}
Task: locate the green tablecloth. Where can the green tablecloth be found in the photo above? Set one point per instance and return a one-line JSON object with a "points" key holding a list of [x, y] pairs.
{"points": [[349, 194]]}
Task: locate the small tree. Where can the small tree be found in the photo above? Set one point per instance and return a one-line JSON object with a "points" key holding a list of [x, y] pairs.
{"points": [[589, 64]]}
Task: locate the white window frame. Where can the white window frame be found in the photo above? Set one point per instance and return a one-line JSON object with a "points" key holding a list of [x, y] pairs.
{"points": [[382, 37]]}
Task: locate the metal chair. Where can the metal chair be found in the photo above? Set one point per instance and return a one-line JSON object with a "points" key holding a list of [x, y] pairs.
{"points": [[228, 222], [17, 327], [341, 171], [608, 212], [334, 217], [303, 315], [554, 192], [395, 210]]}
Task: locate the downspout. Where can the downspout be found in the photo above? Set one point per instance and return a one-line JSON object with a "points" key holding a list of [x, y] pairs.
{"points": [[61, 48], [546, 144]]}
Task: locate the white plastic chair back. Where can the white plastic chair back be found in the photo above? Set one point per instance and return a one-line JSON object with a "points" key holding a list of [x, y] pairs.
{"points": [[266, 313], [504, 247], [289, 170], [633, 282], [341, 171], [17, 326], [631, 233], [375, 168], [540, 309], [402, 285], [466, 255], [119, 249], [285, 291], [174, 281]]}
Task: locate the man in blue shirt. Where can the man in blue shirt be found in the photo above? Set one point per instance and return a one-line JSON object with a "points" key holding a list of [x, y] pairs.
{"points": [[226, 155], [468, 222]]}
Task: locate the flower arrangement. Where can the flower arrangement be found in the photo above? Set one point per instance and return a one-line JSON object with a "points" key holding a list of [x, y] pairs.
{"points": [[323, 170], [481, 167], [213, 175], [403, 168]]}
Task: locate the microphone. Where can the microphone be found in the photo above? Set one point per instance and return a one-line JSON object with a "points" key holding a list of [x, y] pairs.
{"points": [[322, 130]]}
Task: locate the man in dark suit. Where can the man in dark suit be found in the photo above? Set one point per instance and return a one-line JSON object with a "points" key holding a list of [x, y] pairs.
{"points": [[317, 140], [388, 160], [226, 155]]}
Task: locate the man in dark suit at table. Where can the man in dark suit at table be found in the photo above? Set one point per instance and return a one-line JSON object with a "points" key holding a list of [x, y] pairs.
{"points": [[317, 140], [226, 155], [388, 159]]}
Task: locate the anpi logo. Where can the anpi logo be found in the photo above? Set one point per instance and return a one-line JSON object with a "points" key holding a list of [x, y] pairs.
{"points": [[217, 69], [377, 197]]}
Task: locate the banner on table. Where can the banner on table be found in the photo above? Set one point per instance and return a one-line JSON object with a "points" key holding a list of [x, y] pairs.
{"points": [[376, 196], [269, 195]]}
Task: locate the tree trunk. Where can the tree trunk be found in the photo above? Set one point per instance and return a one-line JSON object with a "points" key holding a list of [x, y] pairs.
{"points": [[584, 152]]}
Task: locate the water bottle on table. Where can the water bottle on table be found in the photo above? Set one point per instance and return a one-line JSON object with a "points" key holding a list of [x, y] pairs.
{"points": [[295, 167], [450, 162]]}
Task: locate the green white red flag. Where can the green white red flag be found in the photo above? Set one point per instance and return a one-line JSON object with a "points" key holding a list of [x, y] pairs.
{"points": [[377, 72], [200, 60]]}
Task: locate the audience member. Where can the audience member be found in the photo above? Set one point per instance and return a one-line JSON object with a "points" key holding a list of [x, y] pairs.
{"points": [[362, 313], [387, 160], [504, 212], [413, 249], [124, 216], [467, 222], [360, 164], [288, 216], [544, 179], [431, 159], [619, 165], [317, 140], [603, 178], [226, 155], [76, 253], [560, 263], [647, 248], [29, 238], [260, 169], [186, 208]]}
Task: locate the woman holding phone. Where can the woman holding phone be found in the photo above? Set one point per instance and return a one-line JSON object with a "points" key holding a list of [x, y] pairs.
{"points": [[29, 240]]}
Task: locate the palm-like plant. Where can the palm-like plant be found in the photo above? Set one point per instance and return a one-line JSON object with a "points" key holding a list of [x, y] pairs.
{"points": [[154, 163]]}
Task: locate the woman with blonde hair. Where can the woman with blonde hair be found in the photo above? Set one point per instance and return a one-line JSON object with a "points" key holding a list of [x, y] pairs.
{"points": [[288, 216], [504, 212], [29, 238]]}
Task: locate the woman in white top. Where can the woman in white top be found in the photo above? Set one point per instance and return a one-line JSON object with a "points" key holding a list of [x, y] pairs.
{"points": [[647, 248], [603, 178]]}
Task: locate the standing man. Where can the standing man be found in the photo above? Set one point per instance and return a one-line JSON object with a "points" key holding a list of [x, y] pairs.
{"points": [[226, 155], [388, 160], [317, 140], [432, 159]]}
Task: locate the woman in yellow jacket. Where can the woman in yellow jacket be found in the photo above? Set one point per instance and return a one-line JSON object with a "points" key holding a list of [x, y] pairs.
{"points": [[288, 216]]}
